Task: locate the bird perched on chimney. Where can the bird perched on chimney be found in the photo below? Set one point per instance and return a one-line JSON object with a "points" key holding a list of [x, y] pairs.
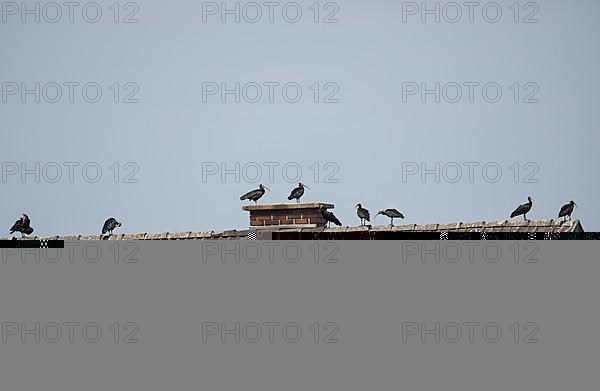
{"points": [[255, 195], [298, 192]]}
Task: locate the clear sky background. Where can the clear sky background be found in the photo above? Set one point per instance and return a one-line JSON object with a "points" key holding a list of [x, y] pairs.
{"points": [[367, 135]]}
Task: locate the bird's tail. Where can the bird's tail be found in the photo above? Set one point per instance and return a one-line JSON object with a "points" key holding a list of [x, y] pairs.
{"points": [[28, 230], [290, 198], [242, 198]]}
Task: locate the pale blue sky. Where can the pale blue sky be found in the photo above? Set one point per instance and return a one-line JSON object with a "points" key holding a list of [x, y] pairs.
{"points": [[369, 54]]}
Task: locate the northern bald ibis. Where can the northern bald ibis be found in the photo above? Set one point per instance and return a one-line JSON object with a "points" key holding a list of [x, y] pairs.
{"points": [[329, 216], [22, 225], [255, 195], [363, 214], [298, 192], [109, 225], [391, 213], [567, 210], [523, 209]]}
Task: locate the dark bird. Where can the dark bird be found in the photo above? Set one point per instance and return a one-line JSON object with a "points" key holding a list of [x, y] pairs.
{"points": [[298, 192], [329, 216], [567, 210], [523, 209], [391, 213], [22, 226], [255, 195], [109, 225], [363, 214]]}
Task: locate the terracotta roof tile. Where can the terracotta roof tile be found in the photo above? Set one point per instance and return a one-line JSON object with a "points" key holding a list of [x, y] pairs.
{"points": [[492, 226]]}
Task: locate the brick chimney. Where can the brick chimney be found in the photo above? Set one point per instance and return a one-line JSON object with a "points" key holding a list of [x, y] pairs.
{"points": [[305, 215]]}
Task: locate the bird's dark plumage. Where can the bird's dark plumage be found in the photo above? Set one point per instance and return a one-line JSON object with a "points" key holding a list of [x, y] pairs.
{"points": [[329, 216], [391, 213], [297, 192], [567, 209], [523, 209], [254, 195], [109, 225], [363, 214], [22, 225], [16, 226]]}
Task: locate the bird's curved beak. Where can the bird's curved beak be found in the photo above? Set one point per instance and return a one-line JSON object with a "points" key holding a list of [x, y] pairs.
{"points": [[575, 204], [378, 213], [266, 187], [307, 187]]}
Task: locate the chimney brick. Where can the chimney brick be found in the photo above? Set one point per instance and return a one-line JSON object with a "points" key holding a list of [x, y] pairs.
{"points": [[300, 215]]}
